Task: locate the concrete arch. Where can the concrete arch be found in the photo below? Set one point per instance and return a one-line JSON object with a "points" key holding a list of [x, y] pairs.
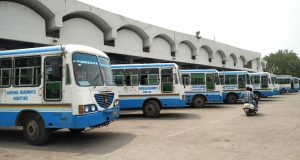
{"points": [[234, 57], [208, 51], [243, 60], [232, 60], [144, 36], [192, 47], [223, 55], [95, 19], [168, 39], [40, 9]]}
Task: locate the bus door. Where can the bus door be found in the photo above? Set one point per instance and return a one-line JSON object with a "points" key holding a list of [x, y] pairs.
{"points": [[242, 81], [210, 81], [166, 80], [53, 78], [264, 82]]}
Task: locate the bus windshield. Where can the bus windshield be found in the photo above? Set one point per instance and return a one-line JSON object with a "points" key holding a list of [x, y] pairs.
{"points": [[106, 71], [86, 70]]}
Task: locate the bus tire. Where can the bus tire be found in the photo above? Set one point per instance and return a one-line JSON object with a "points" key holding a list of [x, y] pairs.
{"points": [[198, 102], [34, 130], [231, 98], [76, 131], [151, 109], [258, 94], [282, 91]]}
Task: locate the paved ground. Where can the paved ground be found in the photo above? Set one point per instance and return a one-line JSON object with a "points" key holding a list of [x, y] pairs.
{"points": [[216, 132]]}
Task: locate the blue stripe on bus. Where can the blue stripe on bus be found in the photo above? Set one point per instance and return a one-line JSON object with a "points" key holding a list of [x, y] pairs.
{"points": [[65, 119], [199, 71], [122, 66], [233, 72], [31, 50], [130, 103], [211, 97]]}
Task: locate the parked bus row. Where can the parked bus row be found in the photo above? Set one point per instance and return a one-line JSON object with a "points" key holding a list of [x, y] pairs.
{"points": [[75, 87]]}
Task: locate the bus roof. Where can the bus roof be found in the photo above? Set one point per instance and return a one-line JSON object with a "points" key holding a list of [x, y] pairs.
{"points": [[31, 50], [259, 73], [233, 72], [148, 65], [52, 49], [198, 71]]}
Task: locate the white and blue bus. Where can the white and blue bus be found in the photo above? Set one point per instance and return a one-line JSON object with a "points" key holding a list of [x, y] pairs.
{"points": [[49, 88], [234, 83], [275, 84], [149, 87], [285, 84], [201, 87], [262, 84], [296, 84], [299, 84]]}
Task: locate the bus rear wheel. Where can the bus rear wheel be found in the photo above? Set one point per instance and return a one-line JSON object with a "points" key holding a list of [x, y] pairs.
{"points": [[258, 94], [151, 109], [282, 91], [34, 130], [198, 101], [231, 98]]}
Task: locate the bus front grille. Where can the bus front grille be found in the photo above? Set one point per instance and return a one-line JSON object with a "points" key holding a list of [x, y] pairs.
{"points": [[104, 100]]}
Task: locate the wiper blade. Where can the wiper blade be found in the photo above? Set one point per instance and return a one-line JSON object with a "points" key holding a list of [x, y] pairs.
{"points": [[94, 81]]}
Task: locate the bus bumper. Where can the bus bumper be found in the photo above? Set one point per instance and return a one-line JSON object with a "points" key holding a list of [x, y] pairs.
{"points": [[267, 93], [96, 119], [276, 91], [59, 120]]}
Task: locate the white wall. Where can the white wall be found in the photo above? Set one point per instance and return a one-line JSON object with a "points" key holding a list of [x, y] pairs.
{"points": [[218, 60], [203, 56], [183, 53], [21, 21], [129, 40], [160, 48], [81, 31]]}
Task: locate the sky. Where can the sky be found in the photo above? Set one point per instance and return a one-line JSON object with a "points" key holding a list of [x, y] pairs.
{"points": [[263, 26]]}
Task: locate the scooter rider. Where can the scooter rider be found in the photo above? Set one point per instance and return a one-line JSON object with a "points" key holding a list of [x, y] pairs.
{"points": [[249, 97]]}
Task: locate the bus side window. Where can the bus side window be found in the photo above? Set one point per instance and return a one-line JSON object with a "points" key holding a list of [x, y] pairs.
{"points": [[119, 77], [27, 71], [222, 79], [132, 77], [5, 72], [248, 79], [185, 79], [231, 79], [210, 81], [149, 76], [53, 78], [197, 79]]}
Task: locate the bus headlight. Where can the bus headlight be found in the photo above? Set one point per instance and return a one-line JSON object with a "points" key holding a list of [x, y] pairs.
{"points": [[93, 108], [86, 109], [116, 103]]}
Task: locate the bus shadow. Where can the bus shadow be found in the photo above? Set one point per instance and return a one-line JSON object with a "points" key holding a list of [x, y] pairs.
{"points": [[92, 142], [162, 116]]}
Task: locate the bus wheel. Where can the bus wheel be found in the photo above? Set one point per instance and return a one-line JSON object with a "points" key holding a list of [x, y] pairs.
{"points": [[34, 130], [76, 131], [282, 91], [198, 101], [258, 94], [231, 98], [151, 109]]}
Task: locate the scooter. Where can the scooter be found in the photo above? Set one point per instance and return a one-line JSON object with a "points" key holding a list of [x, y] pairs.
{"points": [[249, 109]]}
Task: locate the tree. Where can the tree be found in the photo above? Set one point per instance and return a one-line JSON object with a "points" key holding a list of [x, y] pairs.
{"points": [[283, 62]]}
